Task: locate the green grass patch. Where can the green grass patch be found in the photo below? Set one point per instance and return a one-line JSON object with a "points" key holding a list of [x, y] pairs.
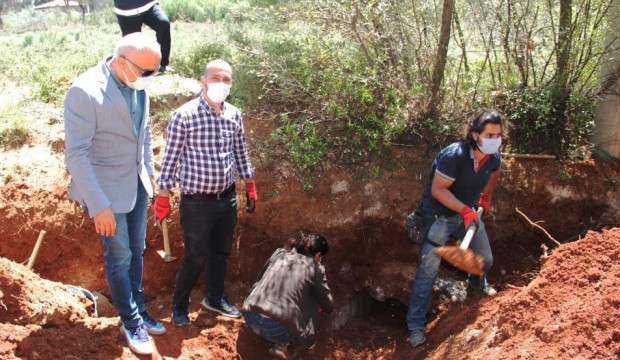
{"points": [[13, 130]]}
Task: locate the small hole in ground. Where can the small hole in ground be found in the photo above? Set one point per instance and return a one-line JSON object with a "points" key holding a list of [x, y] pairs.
{"points": [[388, 313]]}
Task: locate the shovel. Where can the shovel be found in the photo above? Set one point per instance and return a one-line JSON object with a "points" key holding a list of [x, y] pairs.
{"points": [[462, 256], [166, 254]]}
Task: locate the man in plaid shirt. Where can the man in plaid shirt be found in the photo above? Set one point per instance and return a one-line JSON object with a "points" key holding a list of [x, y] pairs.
{"points": [[205, 150]]}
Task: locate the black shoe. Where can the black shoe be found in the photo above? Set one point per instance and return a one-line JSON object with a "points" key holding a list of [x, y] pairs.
{"points": [[223, 307], [278, 351], [480, 287], [180, 318], [165, 69]]}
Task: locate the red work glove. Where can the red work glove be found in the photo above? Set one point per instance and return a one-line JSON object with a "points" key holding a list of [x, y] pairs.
{"points": [[161, 207], [485, 203], [469, 216], [250, 196]]}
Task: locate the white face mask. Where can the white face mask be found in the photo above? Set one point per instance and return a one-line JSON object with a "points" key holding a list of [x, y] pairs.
{"points": [[140, 83], [218, 92], [490, 146]]}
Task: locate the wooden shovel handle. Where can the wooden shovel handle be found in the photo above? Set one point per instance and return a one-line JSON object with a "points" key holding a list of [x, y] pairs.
{"points": [[35, 251], [164, 230], [471, 230]]}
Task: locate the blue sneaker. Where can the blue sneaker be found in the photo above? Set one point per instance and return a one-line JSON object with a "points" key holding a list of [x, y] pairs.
{"points": [[138, 340], [223, 307], [151, 325], [180, 318]]}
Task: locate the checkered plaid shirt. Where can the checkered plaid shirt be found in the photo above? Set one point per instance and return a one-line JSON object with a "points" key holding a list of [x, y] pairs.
{"points": [[204, 151]]}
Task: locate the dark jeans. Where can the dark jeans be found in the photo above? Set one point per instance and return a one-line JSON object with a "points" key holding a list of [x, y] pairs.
{"points": [[208, 229], [156, 19], [267, 328], [122, 255]]}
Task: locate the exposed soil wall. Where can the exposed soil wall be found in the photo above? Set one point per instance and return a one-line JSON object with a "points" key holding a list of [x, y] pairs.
{"points": [[362, 215]]}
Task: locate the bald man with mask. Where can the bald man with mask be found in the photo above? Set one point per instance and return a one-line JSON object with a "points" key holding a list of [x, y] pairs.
{"points": [[109, 156], [205, 153]]}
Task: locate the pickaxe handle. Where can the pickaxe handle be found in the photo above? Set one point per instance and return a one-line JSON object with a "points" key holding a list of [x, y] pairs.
{"points": [[164, 230], [471, 230], [35, 251]]}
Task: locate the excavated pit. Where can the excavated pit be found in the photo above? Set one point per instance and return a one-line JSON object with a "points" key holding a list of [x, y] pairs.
{"points": [[369, 268]]}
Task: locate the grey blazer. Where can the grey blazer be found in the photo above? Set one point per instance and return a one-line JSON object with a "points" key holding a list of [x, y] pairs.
{"points": [[103, 153]]}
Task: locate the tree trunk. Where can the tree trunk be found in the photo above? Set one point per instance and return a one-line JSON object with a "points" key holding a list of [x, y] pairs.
{"points": [[606, 135], [561, 91], [440, 58]]}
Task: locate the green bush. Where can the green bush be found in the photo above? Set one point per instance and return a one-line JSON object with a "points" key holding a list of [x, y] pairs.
{"points": [[530, 114], [302, 141], [192, 62], [197, 10]]}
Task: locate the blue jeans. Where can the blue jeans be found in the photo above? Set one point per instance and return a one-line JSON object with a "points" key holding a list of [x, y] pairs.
{"points": [[122, 254], [267, 328], [422, 285]]}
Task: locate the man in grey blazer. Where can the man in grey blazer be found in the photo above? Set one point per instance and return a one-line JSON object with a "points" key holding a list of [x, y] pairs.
{"points": [[109, 156]]}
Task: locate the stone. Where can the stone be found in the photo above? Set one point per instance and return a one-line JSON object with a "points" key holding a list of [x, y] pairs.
{"points": [[340, 187]]}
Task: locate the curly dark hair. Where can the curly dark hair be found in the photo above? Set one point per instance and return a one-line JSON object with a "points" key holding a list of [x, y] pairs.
{"points": [[309, 244]]}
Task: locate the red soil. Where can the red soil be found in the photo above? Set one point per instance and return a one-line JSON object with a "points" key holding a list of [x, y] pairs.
{"points": [[570, 310]]}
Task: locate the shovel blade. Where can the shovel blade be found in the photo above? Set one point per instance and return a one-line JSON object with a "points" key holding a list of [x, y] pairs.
{"points": [[465, 260], [166, 257]]}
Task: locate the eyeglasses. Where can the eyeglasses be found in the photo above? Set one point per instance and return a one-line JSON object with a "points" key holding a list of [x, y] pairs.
{"points": [[144, 72]]}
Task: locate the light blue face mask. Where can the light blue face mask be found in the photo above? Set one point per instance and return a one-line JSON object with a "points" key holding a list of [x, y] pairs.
{"points": [[490, 146]]}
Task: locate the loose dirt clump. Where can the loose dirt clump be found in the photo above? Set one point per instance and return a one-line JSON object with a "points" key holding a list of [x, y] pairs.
{"points": [[570, 310], [28, 299]]}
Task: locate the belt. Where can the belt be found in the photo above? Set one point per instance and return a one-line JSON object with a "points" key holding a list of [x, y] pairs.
{"points": [[211, 196], [132, 12]]}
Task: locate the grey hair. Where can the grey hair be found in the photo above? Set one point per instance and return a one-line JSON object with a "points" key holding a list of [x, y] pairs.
{"points": [[219, 64], [137, 41]]}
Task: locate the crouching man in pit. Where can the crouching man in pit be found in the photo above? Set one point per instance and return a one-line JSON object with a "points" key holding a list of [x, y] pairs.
{"points": [[284, 303]]}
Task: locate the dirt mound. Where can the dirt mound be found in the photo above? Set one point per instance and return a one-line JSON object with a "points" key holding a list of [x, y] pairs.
{"points": [[571, 309], [28, 299]]}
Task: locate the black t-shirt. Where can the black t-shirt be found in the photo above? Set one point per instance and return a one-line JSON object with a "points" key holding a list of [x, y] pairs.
{"points": [[130, 4], [456, 162]]}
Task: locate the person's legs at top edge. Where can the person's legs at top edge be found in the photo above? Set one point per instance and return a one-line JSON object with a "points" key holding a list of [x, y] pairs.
{"points": [[157, 20], [130, 24]]}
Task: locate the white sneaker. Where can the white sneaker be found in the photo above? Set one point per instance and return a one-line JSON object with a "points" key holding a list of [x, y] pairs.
{"points": [[138, 340]]}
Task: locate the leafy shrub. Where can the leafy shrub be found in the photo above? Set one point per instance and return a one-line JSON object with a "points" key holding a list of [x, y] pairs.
{"points": [[531, 116], [192, 62], [196, 10]]}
